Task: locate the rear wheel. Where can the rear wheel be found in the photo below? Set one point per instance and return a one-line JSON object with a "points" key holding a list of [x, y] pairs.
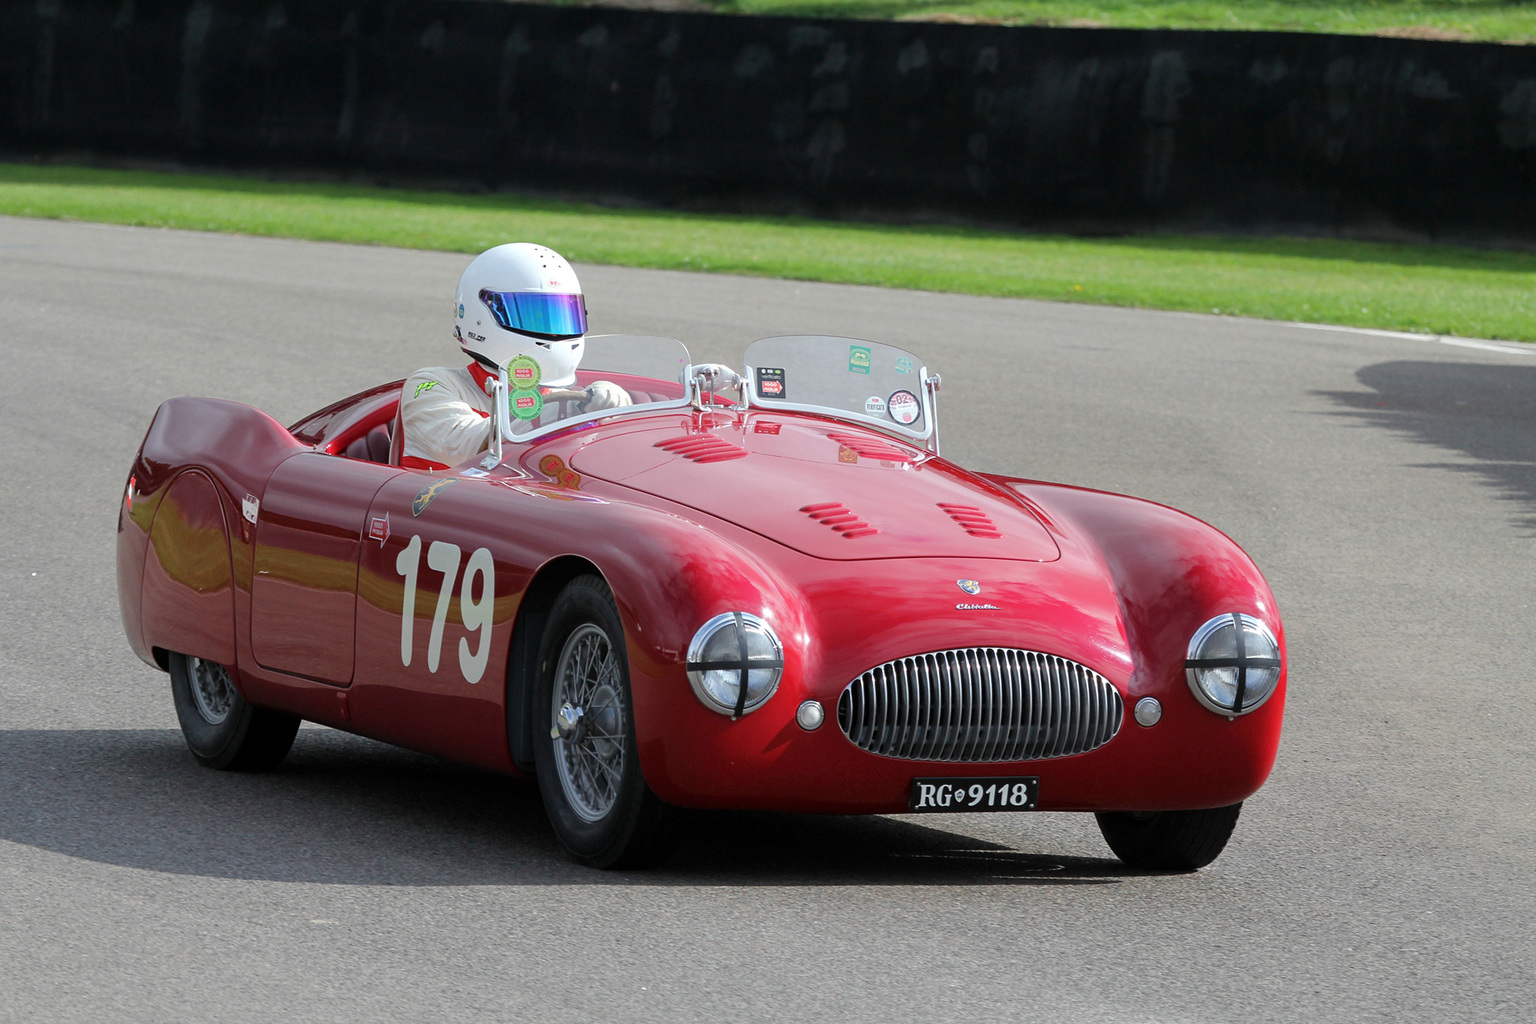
{"points": [[222, 728], [584, 735], [1169, 840]]}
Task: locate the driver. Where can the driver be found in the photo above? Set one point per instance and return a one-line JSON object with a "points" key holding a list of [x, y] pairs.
{"points": [[519, 305]]}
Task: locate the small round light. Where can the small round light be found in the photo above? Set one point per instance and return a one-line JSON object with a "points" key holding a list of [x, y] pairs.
{"points": [[1234, 664], [810, 715], [728, 651], [1148, 711]]}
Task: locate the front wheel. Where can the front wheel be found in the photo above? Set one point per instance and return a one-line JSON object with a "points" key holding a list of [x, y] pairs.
{"points": [[1169, 840], [222, 728], [584, 735]]}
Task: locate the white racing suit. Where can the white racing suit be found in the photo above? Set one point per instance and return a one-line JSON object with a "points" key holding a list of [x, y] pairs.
{"points": [[445, 413]]}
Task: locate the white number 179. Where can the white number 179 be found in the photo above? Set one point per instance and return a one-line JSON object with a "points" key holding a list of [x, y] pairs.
{"points": [[475, 613]]}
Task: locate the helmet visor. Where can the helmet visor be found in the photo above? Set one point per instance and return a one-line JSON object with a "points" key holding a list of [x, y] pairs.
{"points": [[551, 316]]}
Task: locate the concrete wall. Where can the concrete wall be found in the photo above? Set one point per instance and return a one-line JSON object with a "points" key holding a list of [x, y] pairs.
{"points": [[1084, 129]]}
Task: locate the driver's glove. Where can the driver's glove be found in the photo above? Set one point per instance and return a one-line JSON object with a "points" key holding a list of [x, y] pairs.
{"points": [[605, 394]]}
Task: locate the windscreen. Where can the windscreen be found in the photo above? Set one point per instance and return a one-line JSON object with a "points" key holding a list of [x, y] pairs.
{"points": [[863, 380], [619, 374]]}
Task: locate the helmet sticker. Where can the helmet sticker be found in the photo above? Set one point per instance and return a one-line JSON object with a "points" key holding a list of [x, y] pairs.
{"points": [[461, 311], [904, 407], [525, 373], [874, 405], [526, 404], [858, 359]]}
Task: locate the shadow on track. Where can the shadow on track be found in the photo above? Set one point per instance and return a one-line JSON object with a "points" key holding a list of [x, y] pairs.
{"points": [[348, 811], [1485, 411]]}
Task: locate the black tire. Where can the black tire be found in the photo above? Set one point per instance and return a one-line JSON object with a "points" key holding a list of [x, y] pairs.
{"points": [[1169, 840], [223, 729], [589, 773]]}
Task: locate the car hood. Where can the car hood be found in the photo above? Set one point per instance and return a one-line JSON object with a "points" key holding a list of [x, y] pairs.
{"points": [[829, 490]]}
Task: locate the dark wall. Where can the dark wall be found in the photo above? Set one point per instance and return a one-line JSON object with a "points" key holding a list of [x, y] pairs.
{"points": [[1091, 129]]}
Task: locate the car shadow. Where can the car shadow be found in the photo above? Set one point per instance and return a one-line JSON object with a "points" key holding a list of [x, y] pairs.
{"points": [[348, 811], [1485, 411]]}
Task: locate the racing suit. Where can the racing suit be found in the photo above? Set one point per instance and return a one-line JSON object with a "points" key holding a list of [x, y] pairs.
{"points": [[445, 412]]}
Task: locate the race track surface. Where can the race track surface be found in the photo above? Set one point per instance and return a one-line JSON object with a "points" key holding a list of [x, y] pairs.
{"points": [[1386, 485]]}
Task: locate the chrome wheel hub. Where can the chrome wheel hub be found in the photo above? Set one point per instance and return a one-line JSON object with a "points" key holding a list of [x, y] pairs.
{"points": [[588, 725], [212, 690]]}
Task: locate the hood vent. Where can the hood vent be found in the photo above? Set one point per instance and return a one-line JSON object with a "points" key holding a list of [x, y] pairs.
{"points": [[872, 448], [702, 448], [972, 520], [836, 515]]}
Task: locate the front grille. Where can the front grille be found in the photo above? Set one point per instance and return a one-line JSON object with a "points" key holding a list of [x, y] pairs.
{"points": [[980, 704]]}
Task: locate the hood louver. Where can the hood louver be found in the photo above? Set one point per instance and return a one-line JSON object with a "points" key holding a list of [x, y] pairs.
{"points": [[972, 520], [837, 516], [702, 448]]}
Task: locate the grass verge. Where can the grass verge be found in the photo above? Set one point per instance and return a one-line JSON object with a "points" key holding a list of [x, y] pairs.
{"points": [[1430, 289], [1507, 21]]}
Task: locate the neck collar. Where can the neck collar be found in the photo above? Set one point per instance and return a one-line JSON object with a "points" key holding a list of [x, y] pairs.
{"points": [[482, 376]]}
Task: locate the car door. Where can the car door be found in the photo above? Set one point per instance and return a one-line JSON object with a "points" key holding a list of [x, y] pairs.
{"points": [[309, 531], [439, 581]]}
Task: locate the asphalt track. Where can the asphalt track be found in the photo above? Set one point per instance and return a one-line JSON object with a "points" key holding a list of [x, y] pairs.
{"points": [[1386, 485]]}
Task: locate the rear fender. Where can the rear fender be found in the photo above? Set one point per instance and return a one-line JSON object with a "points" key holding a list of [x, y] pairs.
{"points": [[185, 526]]}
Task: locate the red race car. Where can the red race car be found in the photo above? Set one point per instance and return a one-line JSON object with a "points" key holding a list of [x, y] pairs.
{"points": [[776, 595]]}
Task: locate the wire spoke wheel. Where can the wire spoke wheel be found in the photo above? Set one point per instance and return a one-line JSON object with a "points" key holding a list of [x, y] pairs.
{"points": [[588, 723], [212, 690], [222, 728], [585, 755]]}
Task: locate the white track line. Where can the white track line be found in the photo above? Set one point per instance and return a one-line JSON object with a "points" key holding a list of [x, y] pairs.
{"points": [[1444, 339]]}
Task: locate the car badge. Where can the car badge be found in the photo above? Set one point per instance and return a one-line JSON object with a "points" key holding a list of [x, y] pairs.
{"points": [[969, 586], [422, 500]]}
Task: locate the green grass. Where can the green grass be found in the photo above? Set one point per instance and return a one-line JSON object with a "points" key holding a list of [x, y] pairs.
{"points": [[1495, 20], [1432, 289]]}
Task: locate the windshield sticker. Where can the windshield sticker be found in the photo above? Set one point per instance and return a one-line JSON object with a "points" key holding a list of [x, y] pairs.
{"points": [[770, 382], [526, 403], [903, 365], [904, 407], [524, 373], [874, 405], [858, 359]]}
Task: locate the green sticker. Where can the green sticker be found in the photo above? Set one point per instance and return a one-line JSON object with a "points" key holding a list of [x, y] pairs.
{"points": [[525, 374], [858, 359], [526, 403], [426, 385]]}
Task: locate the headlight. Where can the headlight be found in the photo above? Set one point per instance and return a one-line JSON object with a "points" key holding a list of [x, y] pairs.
{"points": [[734, 663], [1234, 664]]}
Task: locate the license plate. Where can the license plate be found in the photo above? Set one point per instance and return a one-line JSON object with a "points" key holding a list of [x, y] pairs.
{"points": [[1016, 793]]}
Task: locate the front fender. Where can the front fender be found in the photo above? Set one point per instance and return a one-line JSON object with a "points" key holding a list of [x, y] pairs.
{"points": [[1171, 573]]}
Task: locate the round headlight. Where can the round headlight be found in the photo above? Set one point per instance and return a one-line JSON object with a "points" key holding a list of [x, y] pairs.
{"points": [[1234, 664], [734, 663]]}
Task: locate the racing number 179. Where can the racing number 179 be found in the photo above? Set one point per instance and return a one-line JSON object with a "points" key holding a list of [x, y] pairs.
{"points": [[475, 613]]}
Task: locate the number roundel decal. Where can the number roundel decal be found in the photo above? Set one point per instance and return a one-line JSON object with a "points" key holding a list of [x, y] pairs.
{"points": [[477, 613]]}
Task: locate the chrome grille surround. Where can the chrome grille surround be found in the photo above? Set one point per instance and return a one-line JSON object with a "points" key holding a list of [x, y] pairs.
{"points": [[980, 704]]}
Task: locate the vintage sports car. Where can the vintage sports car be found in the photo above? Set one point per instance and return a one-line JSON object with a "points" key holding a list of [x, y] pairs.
{"points": [[776, 595]]}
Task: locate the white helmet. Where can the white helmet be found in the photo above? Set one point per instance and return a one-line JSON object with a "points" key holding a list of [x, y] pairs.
{"points": [[524, 300]]}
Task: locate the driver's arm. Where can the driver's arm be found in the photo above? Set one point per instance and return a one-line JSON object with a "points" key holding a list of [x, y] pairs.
{"points": [[441, 423]]}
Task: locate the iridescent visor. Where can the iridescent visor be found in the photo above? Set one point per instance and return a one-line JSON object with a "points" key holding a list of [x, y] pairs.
{"points": [[537, 312]]}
